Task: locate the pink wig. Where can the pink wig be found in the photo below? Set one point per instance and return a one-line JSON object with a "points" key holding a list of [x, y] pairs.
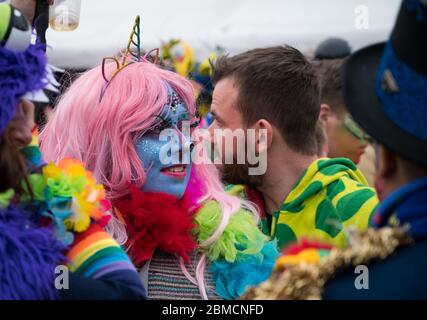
{"points": [[102, 134]]}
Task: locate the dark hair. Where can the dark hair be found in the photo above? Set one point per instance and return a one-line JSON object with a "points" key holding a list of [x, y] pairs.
{"points": [[277, 84], [330, 76], [12, 166]]}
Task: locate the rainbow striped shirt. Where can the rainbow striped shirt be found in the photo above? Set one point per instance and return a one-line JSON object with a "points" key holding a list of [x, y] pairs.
{"points": [[95, 254]]}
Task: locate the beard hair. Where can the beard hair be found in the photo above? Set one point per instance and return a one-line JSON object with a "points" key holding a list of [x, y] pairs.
{"points": [[239, 174], [235, 173]]}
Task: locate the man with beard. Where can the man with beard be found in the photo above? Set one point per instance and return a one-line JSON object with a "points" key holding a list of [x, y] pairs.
{"points": [[273, 94]]}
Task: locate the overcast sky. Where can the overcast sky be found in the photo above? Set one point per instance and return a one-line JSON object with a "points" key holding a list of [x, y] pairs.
{"points": [[236, 25]]}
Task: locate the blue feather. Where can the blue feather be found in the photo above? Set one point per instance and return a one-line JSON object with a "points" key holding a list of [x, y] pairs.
{"points": [[29, 255], [20, 72], [233, 279]]}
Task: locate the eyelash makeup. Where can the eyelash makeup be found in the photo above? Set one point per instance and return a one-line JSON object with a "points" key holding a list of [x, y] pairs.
{"points": [[159, 126], [165, 124]]}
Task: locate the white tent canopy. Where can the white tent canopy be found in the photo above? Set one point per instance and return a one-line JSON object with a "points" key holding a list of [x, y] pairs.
{"points": [[235, 25]]}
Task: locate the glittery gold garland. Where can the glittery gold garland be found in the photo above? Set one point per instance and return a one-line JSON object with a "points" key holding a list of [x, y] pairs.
{"points": [[306, 281]]}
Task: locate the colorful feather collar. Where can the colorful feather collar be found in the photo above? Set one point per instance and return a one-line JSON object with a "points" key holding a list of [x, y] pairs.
{"points": [[242, 256], [65, 195]]}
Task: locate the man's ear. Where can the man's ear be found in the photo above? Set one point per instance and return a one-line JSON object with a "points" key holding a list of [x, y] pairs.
{"points": [[325, 112], [387, 163], [264, 135]]}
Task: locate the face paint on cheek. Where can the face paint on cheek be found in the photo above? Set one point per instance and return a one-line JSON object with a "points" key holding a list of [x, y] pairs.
{"points": [[161, 178], [166, 162]]}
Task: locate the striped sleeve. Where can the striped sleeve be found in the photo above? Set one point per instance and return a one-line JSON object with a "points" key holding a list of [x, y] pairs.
{"points": [[95, 254]]}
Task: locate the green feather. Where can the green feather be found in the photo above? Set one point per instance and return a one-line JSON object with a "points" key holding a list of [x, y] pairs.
{"points": [[241, 237]]}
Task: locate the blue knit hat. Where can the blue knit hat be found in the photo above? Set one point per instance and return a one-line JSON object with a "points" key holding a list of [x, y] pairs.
{"points": [[385, 85]]}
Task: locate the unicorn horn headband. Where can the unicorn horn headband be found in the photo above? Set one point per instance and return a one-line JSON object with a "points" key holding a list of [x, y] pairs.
{"points": [[130, 56]]}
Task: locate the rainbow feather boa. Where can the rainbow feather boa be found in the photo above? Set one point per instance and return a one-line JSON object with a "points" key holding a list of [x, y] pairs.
{"points": [[68, 195]]}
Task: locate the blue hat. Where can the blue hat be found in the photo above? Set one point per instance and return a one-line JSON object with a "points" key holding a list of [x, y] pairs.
{"points": [[385, 85]]}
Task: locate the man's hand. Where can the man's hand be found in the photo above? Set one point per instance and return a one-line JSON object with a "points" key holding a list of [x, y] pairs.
{"points": [[28, 7]]}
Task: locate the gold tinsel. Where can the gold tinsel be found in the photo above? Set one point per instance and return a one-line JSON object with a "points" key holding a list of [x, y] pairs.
{"points": [[306, 281]]}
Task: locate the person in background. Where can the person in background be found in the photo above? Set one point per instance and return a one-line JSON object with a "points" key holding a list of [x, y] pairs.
{"points": [[328, 59], [43, 109], [385, 88], [344, 137], [332, 48]]}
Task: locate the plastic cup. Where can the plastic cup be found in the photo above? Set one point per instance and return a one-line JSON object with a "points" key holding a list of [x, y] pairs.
{"points": [[64, 15]]}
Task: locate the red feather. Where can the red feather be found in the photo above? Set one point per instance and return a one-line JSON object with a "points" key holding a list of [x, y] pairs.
{"points": [[156, 221]]}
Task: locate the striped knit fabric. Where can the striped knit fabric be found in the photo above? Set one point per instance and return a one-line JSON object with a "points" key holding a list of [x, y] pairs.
{"points": [[95, 254], [167, 282]]}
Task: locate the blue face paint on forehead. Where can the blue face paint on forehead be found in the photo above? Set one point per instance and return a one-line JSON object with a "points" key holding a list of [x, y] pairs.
{"points": [[174, 113], [160, 177], [175, 109]]}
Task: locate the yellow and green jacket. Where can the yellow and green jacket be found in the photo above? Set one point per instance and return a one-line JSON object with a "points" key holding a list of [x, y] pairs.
{"points": [[331, 196]]}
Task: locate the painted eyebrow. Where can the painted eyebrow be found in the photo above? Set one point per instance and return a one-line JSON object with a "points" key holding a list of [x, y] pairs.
{"points": [[184, 116], [160, 117]]}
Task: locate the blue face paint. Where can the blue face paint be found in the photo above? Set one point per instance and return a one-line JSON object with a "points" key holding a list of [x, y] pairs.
{"points": [[164, 176]]}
